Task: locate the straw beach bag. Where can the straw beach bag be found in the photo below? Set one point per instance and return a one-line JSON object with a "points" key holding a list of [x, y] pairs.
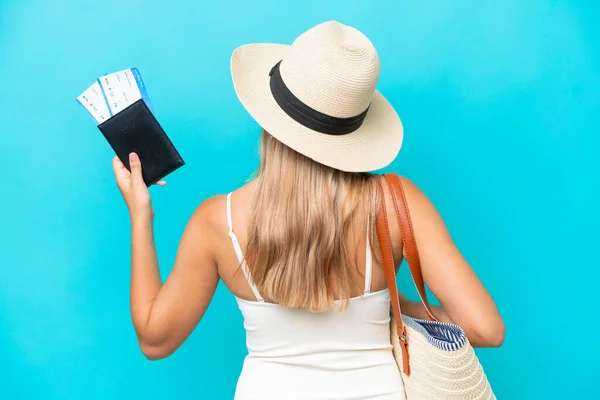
{"points": [[435, 359]]}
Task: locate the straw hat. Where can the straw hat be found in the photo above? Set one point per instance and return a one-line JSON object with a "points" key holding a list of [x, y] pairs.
{"points": [[318, 97]]}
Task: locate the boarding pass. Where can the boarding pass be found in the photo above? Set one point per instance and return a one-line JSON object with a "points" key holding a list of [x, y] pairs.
{"points": [[112, 93]]}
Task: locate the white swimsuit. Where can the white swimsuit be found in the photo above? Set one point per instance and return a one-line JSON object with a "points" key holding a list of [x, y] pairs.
{"points": [[296, 354]]}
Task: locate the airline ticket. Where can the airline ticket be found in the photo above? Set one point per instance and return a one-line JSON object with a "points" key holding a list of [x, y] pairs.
{"points": [[112, 93]]}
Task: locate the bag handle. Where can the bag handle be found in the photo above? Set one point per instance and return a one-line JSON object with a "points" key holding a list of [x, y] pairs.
{"points": [[408, 237], [410, 250]]}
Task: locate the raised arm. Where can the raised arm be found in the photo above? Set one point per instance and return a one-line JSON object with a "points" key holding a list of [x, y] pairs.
{"points": [[463, 298], [165, 315]]}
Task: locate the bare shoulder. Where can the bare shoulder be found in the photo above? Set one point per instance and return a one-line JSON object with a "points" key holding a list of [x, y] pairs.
{"points": [[412, 190], [417, 200], [424, 216], [414, 197], [429, 227], [210, 216]]}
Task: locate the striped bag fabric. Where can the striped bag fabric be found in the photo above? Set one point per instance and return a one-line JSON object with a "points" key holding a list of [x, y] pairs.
{"points": [[435, 359]]}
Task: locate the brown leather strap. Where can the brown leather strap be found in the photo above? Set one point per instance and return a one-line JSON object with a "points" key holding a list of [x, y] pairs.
{"points": [[410, 250], [385, 244], [408, 238]]}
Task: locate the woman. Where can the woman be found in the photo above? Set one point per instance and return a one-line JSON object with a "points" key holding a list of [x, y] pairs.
{"points": [[312, 289]]}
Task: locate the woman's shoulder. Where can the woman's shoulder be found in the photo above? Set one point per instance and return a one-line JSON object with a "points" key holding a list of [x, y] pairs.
{"points": [[211, 213], [209, 217], [414, 196]]}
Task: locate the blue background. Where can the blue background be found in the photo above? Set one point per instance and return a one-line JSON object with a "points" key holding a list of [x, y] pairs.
{"points": [[500, 102]]}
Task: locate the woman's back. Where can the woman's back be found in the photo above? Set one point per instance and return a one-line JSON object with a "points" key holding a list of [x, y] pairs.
{"points": [[343, 353], [229, 268]]}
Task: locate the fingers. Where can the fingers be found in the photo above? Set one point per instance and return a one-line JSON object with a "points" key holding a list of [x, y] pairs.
{"points": [[136, 167], [117, 164], [161, 183], [119, 169], [116, 160]]}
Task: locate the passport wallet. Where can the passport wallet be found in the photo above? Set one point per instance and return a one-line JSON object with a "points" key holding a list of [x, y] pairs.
{"points": [[135, 129]]}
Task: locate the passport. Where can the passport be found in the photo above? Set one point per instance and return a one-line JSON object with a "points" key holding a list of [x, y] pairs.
{"points": [[120, 106]]}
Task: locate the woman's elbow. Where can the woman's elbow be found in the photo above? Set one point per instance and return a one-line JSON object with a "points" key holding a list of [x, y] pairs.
{"points": [[154, 352], [496, 338], [491, 334]]}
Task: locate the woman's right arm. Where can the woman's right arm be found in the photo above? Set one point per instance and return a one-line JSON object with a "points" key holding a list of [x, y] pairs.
{"points": [[463, 298]]}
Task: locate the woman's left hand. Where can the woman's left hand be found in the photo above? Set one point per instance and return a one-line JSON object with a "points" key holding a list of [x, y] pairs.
{"points": [[132, 186]]}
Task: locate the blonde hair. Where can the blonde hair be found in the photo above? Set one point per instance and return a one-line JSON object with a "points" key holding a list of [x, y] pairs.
{"points": [[299, 232]]}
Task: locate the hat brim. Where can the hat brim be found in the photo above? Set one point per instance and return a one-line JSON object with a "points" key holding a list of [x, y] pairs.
{"points": [[373, 146]]}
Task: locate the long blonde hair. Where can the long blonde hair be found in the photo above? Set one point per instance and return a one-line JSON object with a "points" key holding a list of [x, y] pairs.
{"points": [[302, 215]]}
